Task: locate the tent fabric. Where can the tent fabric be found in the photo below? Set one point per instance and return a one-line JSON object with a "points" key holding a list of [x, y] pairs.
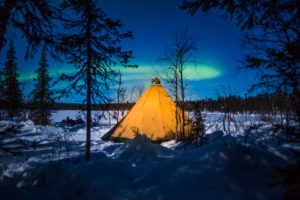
{"points": [[153, 115]]}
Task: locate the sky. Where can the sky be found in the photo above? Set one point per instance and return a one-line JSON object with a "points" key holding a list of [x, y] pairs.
{"points": [[153, 23]]}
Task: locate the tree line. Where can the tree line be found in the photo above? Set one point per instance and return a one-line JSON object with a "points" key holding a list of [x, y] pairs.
{"points": [[41, 97], [260, 103]]}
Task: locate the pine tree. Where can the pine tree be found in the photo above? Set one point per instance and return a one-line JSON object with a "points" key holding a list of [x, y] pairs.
{"points": [[42, 102], [93, 48], [12, 93]]}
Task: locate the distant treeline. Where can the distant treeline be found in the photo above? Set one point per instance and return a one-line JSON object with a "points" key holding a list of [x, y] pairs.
{"points": [[261, 103], [78, 106]]}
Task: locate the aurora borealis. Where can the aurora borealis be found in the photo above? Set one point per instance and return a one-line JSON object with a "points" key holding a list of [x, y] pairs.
{"points": [[152, 23]]}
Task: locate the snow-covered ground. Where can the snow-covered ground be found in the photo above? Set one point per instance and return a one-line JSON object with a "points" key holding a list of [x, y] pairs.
{"points": [[228, 164]]}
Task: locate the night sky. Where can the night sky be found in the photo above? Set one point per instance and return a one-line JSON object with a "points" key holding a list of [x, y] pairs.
{"points": [[153, 23]]}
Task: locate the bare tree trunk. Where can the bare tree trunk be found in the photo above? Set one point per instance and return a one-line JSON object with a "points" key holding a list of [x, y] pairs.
{"points": [[177, 54], [118, 97], [176, 102], [296, 101], [182, 97], [109, 121], [88, 117], [88, 105]]}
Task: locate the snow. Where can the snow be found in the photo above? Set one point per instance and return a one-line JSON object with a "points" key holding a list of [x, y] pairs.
{"points": [[236, 164], [222, 169], [106, 117], [140, 149]]}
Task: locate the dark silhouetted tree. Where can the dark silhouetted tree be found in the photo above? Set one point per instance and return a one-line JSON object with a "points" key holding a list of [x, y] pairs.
{"points": [[121, 95], [177, 54], [198, 128], [12, 93], [171, 77], [42, 101], [33, 18], [93, 48], [272, 37], [136, 92]]}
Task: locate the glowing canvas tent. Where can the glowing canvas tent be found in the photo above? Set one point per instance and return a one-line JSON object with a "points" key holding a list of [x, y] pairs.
{"points": [[153, 115]]}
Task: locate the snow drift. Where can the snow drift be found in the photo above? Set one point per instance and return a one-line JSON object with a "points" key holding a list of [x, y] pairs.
{"points": [[223, 167], [140, 149]]}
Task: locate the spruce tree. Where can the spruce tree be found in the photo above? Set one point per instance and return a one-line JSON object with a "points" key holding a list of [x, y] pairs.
{"points": [[12, 93], [42, 102], [93, 48]]}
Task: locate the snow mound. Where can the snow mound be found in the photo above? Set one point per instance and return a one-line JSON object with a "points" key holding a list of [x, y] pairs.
{"points": [[214, 135], [172, 144], [190, 145], [220, 169], [225, 166], [97, 179], [73, 179], [140, 149]]}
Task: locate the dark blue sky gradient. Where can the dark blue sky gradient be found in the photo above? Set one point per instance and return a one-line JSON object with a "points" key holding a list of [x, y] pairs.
{"points": [[153, 22]]}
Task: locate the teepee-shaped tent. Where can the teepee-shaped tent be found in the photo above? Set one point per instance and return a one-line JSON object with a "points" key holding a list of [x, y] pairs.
{"points": [[153, 115]]}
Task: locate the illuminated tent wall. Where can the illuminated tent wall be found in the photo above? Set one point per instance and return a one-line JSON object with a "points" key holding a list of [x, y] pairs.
{"points": [[153, 115]]}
